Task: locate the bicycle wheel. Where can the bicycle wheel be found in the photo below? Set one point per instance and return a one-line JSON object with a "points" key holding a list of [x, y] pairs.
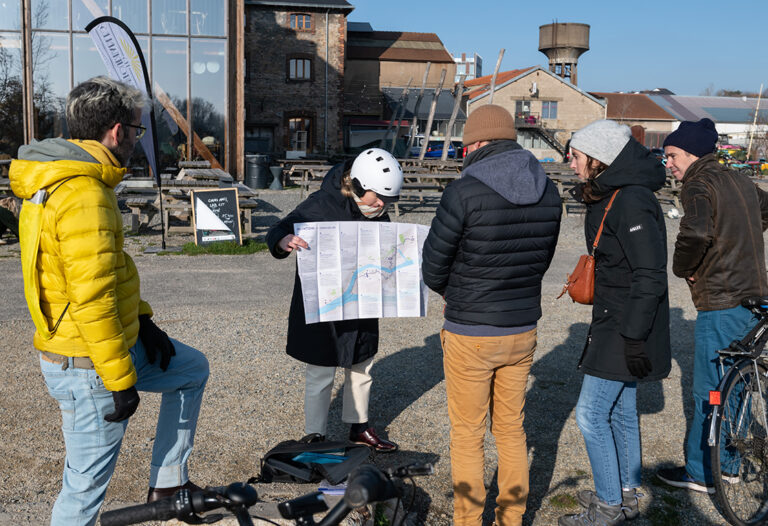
{"points": [[740, 454]]}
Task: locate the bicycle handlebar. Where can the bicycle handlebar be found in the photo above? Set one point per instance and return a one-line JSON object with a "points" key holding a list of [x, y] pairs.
{"points": [[184, 505], [161, 510], [365, 485]]}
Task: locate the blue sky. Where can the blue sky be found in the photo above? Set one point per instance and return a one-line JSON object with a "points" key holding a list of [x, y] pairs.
{"points": [[684, 45]]}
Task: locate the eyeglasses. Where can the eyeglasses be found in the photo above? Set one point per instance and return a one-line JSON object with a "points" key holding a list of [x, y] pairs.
{"points": [[140, 130]]}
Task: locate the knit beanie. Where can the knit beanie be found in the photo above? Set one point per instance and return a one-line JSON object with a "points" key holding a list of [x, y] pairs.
{"points": [[602, 140], [697, 138], [488, 123]]}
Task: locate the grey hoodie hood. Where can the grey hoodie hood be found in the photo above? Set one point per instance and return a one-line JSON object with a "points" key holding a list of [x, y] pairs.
{"points": [[56, 149], [516, 175]]}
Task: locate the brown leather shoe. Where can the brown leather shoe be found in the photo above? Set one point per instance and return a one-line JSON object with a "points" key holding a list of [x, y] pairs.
{"points": [[161, 493], [371, 439]]}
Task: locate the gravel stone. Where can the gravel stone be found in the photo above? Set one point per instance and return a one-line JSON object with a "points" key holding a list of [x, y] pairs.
{"points": [[234, 308]]}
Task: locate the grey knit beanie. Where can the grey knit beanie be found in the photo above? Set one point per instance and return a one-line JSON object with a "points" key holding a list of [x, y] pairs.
{"points": [[602, 140]]}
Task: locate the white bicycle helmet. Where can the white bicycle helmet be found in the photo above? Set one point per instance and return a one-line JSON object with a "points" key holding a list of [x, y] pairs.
{"points": [[377, 170]]}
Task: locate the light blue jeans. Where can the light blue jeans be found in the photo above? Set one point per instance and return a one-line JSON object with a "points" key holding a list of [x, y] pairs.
{"points": [[607, 417], [93, 444], [715, 330]]}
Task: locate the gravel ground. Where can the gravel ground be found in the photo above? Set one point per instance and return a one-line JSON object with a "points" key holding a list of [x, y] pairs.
{"points": [[234, 308]]}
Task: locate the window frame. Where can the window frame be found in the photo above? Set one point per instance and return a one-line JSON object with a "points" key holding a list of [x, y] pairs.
{"points": [[297, 57], [310, 128], [549, 105], [305, 17]]}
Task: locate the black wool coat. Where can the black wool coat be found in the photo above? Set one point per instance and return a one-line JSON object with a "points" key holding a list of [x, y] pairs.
{"points": [[334, 343], [631, 296]]}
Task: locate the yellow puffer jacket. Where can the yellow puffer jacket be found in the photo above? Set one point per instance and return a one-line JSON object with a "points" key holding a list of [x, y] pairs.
{"points": [[80, 259]]}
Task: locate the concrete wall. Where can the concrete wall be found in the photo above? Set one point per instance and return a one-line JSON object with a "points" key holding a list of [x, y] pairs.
{"points": [[271, 98], [651, 126], [364, 79], [396, 74]]}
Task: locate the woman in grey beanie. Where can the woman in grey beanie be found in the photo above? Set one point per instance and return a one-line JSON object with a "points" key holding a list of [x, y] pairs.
{"points": [[628, 338]]}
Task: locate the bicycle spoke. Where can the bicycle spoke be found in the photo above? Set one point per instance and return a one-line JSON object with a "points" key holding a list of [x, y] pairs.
{"points": [[740, 460]]}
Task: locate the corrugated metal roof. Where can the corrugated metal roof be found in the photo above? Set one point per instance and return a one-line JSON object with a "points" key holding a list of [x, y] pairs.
{"points": [[359, 26], [396, 46], [317, 4], [633, 106], [733, 110], [442, 111]]}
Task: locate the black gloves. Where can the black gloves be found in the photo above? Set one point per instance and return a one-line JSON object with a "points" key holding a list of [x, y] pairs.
{"points": [[126, 403], [637, 361], [155, 340]]}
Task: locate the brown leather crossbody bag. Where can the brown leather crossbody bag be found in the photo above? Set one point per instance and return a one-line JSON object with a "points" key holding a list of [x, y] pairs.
{"points": [[580, 284]]}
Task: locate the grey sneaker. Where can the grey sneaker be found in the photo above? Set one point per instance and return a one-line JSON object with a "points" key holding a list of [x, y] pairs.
{"points": [[630, 501], [598, 513]]}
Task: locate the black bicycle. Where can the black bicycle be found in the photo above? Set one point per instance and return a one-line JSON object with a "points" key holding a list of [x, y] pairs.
{"points": [[365, 485], [738, 435]]}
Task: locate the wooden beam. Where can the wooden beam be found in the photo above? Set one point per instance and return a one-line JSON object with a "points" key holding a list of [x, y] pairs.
{"points": [[183, 125], [239, 138], [415, 123], [404, 103], [432, 110], [495, 72], [30, 130], [456, 104]]}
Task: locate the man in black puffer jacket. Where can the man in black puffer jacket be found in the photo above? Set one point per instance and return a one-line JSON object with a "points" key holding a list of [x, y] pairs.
{"points": [[490, 244]]}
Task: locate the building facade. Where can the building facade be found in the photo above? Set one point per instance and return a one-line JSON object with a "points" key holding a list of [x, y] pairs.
{"points": [[295, 63], [187, 46], [470, 67], [547, 108]]}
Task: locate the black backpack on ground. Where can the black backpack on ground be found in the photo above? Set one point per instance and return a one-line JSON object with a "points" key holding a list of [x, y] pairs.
{"points": [[278, 464]]}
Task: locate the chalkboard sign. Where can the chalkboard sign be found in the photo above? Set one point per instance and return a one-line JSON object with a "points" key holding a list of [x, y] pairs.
{"points": [[216, 215]]}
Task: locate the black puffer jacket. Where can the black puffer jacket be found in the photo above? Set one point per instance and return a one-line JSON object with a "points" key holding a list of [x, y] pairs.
{"points": [[331, 343], [631, 297], [493, 238]]}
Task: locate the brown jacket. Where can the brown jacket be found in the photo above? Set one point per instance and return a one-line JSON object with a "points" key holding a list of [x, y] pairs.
{"points": [[720, 244]]}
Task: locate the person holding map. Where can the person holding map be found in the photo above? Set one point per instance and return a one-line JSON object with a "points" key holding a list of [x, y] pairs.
{"points": [[358, 190], [491, 241]]}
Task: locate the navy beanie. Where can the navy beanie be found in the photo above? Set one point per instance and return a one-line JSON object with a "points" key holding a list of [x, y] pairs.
{"points": [[697, 138]]}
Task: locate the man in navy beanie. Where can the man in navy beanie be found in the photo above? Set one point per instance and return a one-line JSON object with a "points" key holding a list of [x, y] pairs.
{"points": [[720, 253]]}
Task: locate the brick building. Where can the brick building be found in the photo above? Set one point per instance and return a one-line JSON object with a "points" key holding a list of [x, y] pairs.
{"points": [[388, 59], [294, 71], [637, 110], [547, 108]]}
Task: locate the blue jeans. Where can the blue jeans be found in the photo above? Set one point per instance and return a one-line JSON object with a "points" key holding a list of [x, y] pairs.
{"points": [[607, 417], [715, 330], [92, 443]]}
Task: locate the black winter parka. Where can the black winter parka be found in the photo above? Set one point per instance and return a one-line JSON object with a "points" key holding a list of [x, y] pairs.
{"points": [[331, 343], [493, 238], [631, 297]]}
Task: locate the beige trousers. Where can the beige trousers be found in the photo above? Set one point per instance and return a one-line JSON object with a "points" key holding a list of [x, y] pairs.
{"points": [[488, 375], [317, 395]]}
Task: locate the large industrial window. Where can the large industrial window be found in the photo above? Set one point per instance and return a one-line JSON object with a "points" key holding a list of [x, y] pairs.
{"points": [[549, 109], [299, 69], [301, 22]]}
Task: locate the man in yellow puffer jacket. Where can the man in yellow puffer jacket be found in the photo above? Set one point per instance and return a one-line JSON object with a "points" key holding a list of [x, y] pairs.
{"points": [[98, 345]]}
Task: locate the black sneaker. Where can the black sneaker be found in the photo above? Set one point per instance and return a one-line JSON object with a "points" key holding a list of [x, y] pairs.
{"points": [[630, 501], [679, 478], [598, 513]]}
